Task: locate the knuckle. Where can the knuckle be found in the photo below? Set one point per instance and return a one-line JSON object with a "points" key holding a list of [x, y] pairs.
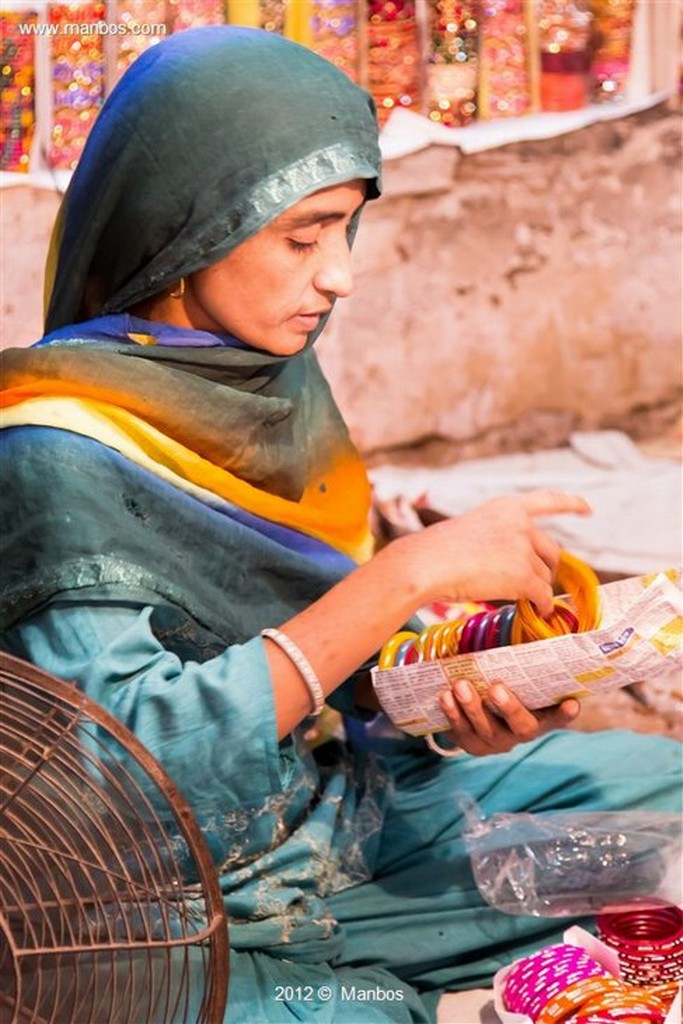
{"points": [[529, 731]]}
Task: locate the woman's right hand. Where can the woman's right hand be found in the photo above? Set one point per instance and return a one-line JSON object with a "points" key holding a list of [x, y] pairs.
{"points": [[493, 552]]}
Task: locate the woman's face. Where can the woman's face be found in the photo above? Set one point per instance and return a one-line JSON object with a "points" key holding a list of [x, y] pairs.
{"points": [[272, 290]]}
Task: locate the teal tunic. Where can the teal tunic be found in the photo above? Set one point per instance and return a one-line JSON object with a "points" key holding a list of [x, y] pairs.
{"points": [[345, 876], [347, 884]]}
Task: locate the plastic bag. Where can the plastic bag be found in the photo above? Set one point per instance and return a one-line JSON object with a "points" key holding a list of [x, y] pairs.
{"points": [[571, 864]]}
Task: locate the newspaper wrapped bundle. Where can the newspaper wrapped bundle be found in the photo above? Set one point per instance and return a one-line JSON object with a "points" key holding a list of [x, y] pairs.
{"points": [[639, 638]]}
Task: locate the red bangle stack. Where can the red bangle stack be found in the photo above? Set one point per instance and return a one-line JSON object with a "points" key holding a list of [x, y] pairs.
{"points": [[648, 942]]}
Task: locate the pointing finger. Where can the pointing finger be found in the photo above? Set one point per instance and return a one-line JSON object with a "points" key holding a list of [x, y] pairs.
{"points": [[545, 502], [547, 549]]}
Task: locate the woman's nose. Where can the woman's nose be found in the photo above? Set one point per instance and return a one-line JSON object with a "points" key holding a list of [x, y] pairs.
{"points": [[335, 275]]}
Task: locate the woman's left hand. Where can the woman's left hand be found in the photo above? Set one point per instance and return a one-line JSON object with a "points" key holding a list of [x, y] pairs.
{"points": [[499, 721]]}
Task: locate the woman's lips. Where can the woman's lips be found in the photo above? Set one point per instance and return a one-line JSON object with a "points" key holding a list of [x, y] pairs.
{"points": [[309, 321]]}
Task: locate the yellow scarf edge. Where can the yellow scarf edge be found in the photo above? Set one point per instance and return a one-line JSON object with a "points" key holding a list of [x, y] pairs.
{"points": [[173, 462]]}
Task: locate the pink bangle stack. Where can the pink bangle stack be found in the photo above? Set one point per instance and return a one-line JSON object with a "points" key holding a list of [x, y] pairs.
{"points": [[563, 984], [537, 979]]}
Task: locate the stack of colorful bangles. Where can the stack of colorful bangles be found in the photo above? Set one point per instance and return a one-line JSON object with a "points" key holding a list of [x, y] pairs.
{"points": [[563, 983], [500, 626], [648, 941]]}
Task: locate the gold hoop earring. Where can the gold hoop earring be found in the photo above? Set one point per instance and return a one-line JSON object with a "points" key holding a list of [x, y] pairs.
{"points": [[179, 290]]}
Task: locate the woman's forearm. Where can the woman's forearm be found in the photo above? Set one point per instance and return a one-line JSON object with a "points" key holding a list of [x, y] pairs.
{"points": [[342, 630], [494, 552]]}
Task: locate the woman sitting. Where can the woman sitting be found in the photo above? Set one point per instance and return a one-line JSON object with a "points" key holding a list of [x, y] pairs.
{"points": [[187, 538]]}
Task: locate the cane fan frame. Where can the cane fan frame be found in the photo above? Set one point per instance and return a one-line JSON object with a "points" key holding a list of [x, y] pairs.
{"points": [[110, 907]]}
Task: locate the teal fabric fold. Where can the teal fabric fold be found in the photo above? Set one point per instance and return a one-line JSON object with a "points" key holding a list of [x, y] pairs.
{"points": [[85, 521]]}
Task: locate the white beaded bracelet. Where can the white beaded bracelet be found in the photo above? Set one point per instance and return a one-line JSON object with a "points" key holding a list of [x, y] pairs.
{"points": [[302, 663]]}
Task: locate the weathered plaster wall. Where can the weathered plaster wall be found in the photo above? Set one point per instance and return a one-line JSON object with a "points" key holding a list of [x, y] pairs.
{"points": [[502, 299], [26, 218], [508, 297]]}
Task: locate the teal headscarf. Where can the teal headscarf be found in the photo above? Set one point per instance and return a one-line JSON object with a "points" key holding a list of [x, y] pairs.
{"points": [[209, 136]]}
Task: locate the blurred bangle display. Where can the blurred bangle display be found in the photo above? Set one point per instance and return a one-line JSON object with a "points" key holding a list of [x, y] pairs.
{"points": [[454, 61]]}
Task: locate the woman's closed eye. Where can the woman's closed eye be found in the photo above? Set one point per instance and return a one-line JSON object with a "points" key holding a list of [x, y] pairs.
{"points": [[299, 246]]}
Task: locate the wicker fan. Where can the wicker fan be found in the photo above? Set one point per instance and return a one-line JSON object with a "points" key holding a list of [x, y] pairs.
{"points": [[110, 910]]}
